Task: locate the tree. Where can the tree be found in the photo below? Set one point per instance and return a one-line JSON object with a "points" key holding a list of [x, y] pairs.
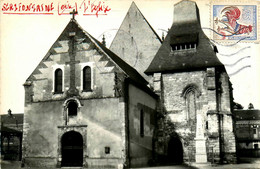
{"points": [[250, 106], [237, 106]]}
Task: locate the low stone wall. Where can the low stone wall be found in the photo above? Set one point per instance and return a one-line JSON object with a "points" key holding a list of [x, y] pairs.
{"points": [[93, 163], [105, 163], [41, 162]]}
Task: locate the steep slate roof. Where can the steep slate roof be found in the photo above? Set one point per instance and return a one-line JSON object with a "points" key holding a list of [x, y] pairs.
{"points": [[136, 42], [186, 29], [247, 114], [73, 26]]}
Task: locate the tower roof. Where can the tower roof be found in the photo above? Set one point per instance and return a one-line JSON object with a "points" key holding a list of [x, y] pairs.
{"points": [[74, 27], [185, 47], [136, 42]]}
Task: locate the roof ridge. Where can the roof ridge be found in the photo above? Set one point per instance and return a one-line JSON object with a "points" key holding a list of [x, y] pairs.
{"points": [[147, 22], [134, 4]]}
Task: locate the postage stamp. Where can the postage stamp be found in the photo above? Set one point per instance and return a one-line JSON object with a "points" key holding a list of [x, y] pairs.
{"points": [[235, 20]]}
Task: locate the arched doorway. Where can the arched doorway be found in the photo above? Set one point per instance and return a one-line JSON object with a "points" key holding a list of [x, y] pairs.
{"points": [[72, 149], [175, 151]]}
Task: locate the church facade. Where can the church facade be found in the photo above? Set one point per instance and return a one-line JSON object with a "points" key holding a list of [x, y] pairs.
{"points": [[79, 101], [87, 105]]}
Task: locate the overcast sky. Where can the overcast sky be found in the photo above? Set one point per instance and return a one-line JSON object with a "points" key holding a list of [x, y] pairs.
{"points": [[25, 39]]}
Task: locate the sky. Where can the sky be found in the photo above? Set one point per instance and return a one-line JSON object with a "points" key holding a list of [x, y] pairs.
{"points": [[26, 38]]}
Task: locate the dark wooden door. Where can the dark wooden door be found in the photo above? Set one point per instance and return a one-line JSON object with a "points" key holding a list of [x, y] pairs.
{"points": [[72, 149]]}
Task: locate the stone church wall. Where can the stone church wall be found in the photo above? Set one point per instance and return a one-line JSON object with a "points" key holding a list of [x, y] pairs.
{"points": [[103, 85], [141, 143], [105, 128], [212, 101], [99, 119], [228, 121], [174, 87], [40, 133]]}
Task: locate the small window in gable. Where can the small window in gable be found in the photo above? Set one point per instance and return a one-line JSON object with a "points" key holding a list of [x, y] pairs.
{"points": [[184, 42], [87, 78], [184, 46], [58, 81], [72, 108]]}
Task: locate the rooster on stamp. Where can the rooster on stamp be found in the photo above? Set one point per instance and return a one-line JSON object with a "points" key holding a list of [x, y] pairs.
{"points": [[235, 22]]}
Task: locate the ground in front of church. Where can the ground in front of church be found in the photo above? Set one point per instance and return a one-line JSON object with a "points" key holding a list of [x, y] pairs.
{"points": [[254, 165]]}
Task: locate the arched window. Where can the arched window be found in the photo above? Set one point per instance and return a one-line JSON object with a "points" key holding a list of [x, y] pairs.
{"points": [[191, 93], [191, 109], [87, 78], [58, 81], [191, 105], [72, 108]]}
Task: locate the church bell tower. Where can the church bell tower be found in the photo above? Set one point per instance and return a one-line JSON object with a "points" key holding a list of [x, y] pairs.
{"points": [[195, 91]]}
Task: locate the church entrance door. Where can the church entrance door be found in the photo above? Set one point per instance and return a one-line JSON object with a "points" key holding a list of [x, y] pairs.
{"points": [[175, 151], [72, 149]]}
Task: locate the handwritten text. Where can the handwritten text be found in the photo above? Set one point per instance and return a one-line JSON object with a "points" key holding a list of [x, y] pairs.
{"points": [[85, 7]]}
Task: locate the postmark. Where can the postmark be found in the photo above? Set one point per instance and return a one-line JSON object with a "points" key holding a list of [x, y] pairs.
{"points": [[235, 21]]}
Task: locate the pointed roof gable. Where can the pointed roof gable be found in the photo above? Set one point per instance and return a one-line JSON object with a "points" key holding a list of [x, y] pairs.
{"points": [[185, 30], [73, 26], [136, 42], [134, 10]]}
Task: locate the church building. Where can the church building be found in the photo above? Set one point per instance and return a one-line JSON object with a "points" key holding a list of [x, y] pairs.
{"points": [[144, 101], [195, 92], [83, 104]]}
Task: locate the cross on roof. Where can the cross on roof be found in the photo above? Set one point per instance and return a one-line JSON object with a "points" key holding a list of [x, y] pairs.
{"points": [[74, 12]]}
